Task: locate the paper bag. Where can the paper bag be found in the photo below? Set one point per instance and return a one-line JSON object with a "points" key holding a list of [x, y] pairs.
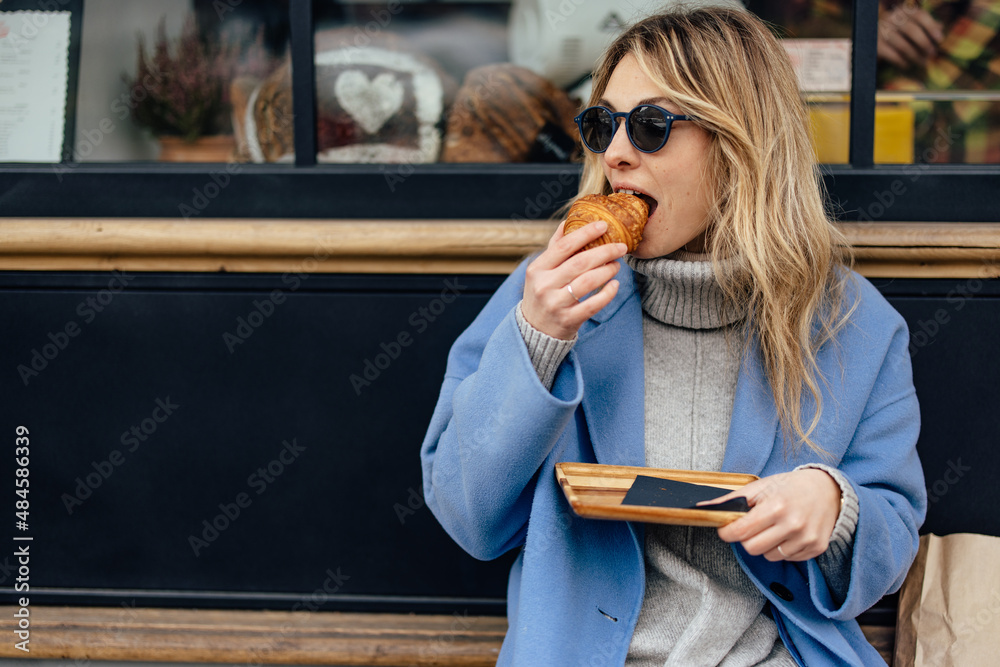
{"points": [[949, 606]]}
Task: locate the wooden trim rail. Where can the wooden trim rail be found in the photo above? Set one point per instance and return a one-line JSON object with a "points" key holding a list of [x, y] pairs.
{"points": [[889, 249], [256, 637], [274, 637], [925, 249]]}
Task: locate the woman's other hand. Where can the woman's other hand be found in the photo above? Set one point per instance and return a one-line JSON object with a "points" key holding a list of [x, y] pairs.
{"points": [[795, 511], [558, 279], [908, 36]]}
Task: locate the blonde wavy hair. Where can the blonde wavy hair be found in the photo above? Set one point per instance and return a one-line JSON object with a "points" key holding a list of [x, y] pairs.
{"points": [[783, 258]]}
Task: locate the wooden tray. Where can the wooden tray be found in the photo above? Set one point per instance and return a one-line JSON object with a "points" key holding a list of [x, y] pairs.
{"points": [[595, 491]]}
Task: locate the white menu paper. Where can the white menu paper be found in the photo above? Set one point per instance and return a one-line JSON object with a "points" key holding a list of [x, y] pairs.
{"points": [[821, 65], [34, 69]]}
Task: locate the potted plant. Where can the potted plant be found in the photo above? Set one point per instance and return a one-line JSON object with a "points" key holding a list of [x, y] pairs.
{"points": [[181, 89]]}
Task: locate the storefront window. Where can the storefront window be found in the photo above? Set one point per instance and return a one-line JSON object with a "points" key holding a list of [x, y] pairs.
{"points": [[406, 81], [422, 82], [500, 82], [165, 80], [817, 36], [941, 60]]}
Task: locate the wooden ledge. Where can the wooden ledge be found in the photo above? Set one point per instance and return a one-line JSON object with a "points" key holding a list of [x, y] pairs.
{"points": [[275, 637], [889, 249], [341, 246], [256, 637], [925, 249]]}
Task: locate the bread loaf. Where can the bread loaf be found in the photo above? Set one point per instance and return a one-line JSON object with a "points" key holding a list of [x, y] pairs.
{"points": [[500, 113]]}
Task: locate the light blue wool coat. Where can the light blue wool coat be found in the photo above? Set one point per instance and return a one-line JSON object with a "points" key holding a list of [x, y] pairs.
{"points": [[577, 585]]}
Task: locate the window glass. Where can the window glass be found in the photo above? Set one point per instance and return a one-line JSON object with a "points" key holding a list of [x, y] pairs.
{"points": [[167, 79], [940, 59], [416, 82], [817, 36], [421, 82], [489, 81], [478, 81]]}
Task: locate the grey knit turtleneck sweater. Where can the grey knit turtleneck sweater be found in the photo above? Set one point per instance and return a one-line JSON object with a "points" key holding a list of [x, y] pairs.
{"points": [[699, 608]]}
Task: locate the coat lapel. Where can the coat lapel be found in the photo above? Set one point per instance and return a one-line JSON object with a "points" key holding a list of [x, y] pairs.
{"points": [[614, 386], [754, 424], [614, 391]]}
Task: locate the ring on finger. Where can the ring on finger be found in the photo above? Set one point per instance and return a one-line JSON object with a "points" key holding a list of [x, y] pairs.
{"points": [[780, 551], [569, 288]]}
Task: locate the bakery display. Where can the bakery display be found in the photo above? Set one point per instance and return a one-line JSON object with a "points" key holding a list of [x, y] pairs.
{"points": [[506, 113], [383, 102], [625, 214]]}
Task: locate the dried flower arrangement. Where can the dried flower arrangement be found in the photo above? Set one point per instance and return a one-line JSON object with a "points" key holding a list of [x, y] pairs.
{"points": [[182, 88]]}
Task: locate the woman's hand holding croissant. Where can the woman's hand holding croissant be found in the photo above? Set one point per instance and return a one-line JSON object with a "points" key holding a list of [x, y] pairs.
{"points": [[558, 279]]}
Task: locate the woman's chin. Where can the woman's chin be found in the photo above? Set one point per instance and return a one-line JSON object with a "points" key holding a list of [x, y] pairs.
{"points": [[649, 249], [645, 253]]}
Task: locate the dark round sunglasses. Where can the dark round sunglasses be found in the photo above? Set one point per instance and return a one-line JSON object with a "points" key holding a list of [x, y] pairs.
{"points": [[647, 127]]}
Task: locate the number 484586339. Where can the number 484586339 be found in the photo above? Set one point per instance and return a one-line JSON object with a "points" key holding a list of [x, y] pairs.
{"points": [[21, 452]]}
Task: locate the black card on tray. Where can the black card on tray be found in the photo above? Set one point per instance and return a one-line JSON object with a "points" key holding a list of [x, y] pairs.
{"points": [[657, 492]]}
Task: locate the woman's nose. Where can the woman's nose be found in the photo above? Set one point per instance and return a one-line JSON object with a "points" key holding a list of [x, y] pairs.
{"points": [[621, 152]]}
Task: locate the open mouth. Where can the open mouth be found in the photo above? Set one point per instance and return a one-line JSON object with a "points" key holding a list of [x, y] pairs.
{"points": [[643, 196]]}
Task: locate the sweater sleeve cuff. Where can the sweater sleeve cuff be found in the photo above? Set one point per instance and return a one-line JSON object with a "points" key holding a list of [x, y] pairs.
{"points": [[835, 562], [546, 352]]}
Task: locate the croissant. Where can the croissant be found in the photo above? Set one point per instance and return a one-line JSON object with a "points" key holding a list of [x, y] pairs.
{"points": [[625, 214]]}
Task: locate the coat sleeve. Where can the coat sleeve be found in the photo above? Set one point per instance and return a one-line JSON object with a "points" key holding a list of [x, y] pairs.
{"points": [[880, 462], [493, 427]]}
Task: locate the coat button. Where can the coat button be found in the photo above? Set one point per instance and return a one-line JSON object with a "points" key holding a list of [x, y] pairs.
{"points": [[782, 591]]}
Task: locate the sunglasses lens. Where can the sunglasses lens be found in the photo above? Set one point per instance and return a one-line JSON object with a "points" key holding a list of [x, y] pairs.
{"points": [[648, 128], [596, 129]]}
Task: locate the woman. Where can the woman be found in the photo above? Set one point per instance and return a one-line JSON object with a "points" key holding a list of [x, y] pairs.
{"points": [[732, 338]]}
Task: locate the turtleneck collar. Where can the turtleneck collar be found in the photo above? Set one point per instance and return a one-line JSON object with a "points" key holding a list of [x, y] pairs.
{"points": [[680, 289]]}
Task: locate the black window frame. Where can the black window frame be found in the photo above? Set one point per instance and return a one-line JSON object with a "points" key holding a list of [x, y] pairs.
{"points": [[859, 190]]}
